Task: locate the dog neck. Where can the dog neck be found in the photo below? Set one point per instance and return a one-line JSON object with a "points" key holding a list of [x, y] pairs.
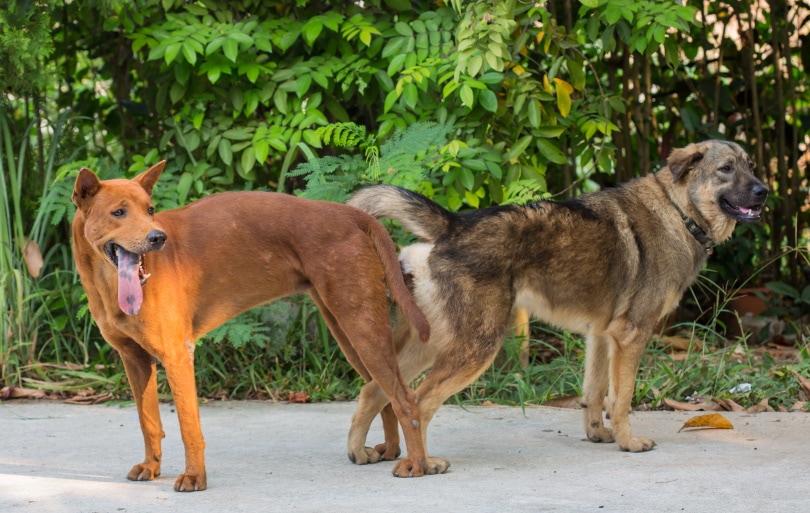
{"points": [[700, 235]]}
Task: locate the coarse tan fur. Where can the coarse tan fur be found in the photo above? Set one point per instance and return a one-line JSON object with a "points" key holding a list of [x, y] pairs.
{"points": [[204, 263], [608, 265]]}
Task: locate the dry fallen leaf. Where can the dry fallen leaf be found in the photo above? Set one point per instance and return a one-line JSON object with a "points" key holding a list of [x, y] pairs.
{"points": [[569, 401], [702, 406], [33, 258], [709, 421], [298, 397], [728, 404]]}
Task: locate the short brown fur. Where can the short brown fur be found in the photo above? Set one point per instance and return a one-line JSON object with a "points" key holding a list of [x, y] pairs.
{"points": [[218, 257], [608, 265]]}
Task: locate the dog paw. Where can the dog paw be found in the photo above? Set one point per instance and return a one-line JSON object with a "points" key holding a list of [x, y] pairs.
{"points": [[190, 483], [600, 435], [411, 468], [365, 456], [144, 472], [637, 444], [388, 453]]}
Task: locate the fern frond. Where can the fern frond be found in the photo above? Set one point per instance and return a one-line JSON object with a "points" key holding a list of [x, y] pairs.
{"points": [[521, 192], [343, 135]]}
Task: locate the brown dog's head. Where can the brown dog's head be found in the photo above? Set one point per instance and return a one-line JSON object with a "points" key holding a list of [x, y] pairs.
{"points": [[119, 226], [719, 179]]}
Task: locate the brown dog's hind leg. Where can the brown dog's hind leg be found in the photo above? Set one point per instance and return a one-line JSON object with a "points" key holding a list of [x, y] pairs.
{"points": [[141, 373], [597, 373], [629, 344], [359, 335]]}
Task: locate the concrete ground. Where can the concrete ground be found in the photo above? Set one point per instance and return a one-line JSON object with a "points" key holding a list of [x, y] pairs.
{"points": [[264, 457]]}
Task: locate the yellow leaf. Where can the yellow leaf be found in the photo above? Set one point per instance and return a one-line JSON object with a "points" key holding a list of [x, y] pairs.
{"points": [[546, 84], [518, 69], [564, 90], [710, 421]]}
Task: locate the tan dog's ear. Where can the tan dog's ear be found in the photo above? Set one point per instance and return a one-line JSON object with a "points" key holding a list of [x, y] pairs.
{"points": [[148, 178], [86, 186], [683, 159]]}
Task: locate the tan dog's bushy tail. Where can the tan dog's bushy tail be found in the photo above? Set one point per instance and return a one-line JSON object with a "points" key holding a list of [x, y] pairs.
{"points": [[393, 276], [419, 215]]}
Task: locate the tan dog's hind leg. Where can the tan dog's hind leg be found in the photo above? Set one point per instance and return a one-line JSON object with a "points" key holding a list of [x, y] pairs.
{"points": [[142, 375], [597, 367], [629, 344]]}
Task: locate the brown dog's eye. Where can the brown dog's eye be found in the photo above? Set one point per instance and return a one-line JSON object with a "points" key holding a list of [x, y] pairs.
{"points": [[119, 213], [150, 211], [725, 169]]}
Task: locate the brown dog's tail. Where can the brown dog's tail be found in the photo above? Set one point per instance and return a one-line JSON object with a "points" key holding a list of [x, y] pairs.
{"points": [[419, 215], [393, 277]]}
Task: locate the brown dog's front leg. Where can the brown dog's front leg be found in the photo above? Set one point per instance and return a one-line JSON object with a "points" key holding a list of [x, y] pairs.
{"points": [[180, 371], [142, 375]]}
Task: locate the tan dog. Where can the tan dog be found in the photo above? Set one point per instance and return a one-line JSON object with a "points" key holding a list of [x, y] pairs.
{"points": [[155, 283], [608, 265]]}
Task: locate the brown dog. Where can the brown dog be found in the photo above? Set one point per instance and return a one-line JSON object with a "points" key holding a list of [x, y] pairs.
{"points": [[608, 265], [155, 283]]}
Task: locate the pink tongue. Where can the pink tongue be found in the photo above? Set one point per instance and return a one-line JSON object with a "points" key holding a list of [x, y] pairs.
{"points": [[130, 294]]}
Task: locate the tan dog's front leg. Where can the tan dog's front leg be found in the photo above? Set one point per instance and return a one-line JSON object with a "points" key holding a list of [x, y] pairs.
{"points": [[180, 372], [142, 375], [626, 356]]}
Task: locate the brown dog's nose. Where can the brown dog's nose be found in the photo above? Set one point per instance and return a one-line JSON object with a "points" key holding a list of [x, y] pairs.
{"points": [[156, 239]]}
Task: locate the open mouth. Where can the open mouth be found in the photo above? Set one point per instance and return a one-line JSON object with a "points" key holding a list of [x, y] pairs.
{"points": [[131, 277], [740, 213], [113, 251]]}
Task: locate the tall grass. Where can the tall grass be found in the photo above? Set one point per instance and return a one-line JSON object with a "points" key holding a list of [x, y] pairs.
{"points": [[38, 320]]}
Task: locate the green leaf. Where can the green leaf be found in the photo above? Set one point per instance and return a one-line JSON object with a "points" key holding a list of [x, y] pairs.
{"points": [[467, 96], [171, 52], [551, 152], [248, 161], [189, 54], [280, 101], [231, 49], [488, 100], [411, 95], [467, 178], [225, 151], [783, 289], [403, 29], [390, 99], [302, 84], [311, 30], [534, 112], [519, 147], [184, 185]]}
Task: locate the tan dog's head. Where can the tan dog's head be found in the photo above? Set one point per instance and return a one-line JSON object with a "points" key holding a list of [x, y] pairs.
{"points": [[719, 179], [119, 225]]}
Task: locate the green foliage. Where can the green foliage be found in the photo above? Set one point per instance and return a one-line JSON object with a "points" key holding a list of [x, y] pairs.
{"points": [[26, 46], [402, 160]]}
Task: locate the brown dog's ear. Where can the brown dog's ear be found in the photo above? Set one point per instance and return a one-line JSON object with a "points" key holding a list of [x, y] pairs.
{"points": [[683, 159], [148, 178], [86, 186]]}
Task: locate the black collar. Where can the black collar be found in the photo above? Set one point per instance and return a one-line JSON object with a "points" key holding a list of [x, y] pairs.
{"points": [[691, 225], [697, 232]]}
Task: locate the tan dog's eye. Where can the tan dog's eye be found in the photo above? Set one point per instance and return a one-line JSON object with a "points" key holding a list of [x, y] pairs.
{"points": [[150, 211], [725, 169], [119, 213]]}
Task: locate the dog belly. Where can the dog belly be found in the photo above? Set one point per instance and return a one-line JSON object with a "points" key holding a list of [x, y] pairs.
{"points": [[576, 320]]}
